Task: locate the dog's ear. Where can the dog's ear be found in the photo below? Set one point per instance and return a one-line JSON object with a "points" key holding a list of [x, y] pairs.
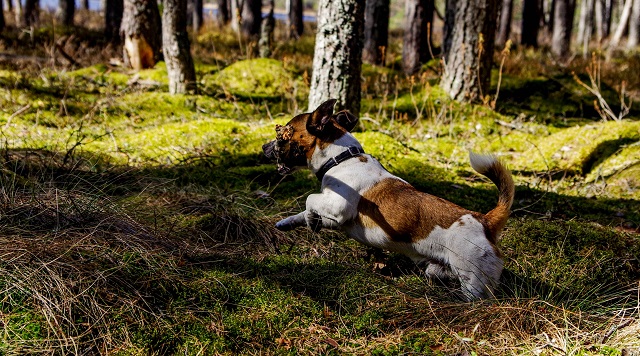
{"points": [[320, 117], [346, 119]]}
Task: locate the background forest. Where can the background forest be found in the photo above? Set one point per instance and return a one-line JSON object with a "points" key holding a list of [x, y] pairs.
{"points": [[137, 210]]}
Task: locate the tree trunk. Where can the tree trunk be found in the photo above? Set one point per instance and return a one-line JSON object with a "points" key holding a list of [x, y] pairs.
{"points": [[552, 15], [562, 28], [266, 32], [634, 26], [415, 46], [622, 25], [585, 25], [504, 29], [18, 14], [10, 5], [176, 48], [31, 12], [467, 72], [65, 12], [376, 31], [337, 58], [141, 30], [296, 23], [608, 15], [449, 25], [251, 17], [223, 11], [197, 15], [598, 13], [113, 10], [530, 23], [85, 4], [1, 15]]}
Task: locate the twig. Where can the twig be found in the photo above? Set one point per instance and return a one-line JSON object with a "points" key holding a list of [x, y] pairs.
{"points": [[16, 114]]}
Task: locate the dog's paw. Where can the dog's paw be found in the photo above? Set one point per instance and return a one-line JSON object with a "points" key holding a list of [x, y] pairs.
{"points": [[314, 221]]}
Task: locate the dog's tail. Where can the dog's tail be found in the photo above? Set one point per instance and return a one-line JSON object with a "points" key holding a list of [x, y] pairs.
{"points": [[491, 167]]}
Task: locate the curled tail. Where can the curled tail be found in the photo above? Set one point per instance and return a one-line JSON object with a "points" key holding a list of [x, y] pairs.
{"points": [[491, 167]]}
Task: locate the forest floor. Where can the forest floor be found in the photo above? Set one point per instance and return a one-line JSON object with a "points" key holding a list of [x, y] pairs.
{"points": [[137, 222]]}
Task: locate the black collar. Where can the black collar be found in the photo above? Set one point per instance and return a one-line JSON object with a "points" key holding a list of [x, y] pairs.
{"points": [[351, 152]]}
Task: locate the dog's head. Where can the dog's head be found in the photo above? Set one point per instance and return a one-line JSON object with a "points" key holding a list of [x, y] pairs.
{"points": [[297, 140]]}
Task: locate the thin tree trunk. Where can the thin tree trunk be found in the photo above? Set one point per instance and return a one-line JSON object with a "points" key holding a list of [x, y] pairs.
{"points": [[552, 16], [622, 25], [607, 17], [10, 5], [266, 32], [223, 11], [634, 26], [562, 28], [598, 12], [176, 48], [85, 4], [251, 17], [2, 23], [588, 26], [31, 12], [415, 47], [376, 31], [18, 16], [337, 58], [65, 12], [113, 10], [467, 72], [198, 15], [449, 24], [530, 23], [296, 24], [142, 33], [504, 29]]}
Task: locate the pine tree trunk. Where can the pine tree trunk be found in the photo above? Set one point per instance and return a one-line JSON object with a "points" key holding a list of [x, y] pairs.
{"points": [[31, 12], [2, 23], [608, 15], [530, 23], [266, 32], [85, 4], [552, 15], [198, 15], [296, 24], [449, 25], [634, 26], [223, 11], [587, 29], [415, 46], [141, 30], [598, 13], [176, 48], [10, 5], [467, 72], [251, 17], [376, 31], [504, 29], [337, 58], [622, 25], [65, 12], [562, 28], [18, 14], [113, 10]]}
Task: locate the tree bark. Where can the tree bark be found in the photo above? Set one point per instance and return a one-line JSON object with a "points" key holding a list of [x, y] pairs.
{"points": [[251, 17], [622, 25], [141, 30], [197, 15], [176, 48], [530, 23], [31, 12], [113, 10], [598, 18], [449, 24], [2, 23], [65, 12], [417, 36], [562, 28], [266, 32], [376, 31], [634, 26], [607, 17], [337, 58], [223, 11], [10, 5], [467, 72], [504, 28], [18, 14], [85, 4], [296, 23]]}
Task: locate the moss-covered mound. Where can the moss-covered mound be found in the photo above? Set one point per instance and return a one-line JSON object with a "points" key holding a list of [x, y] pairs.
{"points": [[260, 78]]}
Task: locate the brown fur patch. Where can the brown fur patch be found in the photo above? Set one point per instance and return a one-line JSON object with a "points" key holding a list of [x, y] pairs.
{"points": [[406, 214], [363, 159]]}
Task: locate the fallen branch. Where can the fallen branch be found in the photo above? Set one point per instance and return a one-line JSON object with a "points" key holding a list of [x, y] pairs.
{"points": [[16, 114]]}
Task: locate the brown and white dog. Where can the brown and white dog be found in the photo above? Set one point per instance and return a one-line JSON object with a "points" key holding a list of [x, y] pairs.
{"points": [[381, 210]]}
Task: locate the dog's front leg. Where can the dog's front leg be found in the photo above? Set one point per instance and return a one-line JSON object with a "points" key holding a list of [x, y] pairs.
{"points": [[291, 222]]}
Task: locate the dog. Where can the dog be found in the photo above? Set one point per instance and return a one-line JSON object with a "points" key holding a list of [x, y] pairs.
{"points": [[378, 209]]}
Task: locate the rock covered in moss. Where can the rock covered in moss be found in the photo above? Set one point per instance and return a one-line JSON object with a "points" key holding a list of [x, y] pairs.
{"points": [[260, 78]]}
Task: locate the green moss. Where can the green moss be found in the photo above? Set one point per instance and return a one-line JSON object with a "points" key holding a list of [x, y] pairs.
{"points": [[261, 78]]}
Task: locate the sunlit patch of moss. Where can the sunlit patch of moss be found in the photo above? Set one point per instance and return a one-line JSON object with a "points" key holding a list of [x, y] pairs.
{"points": [[260, 78], [101, 74], [578, 149]]}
